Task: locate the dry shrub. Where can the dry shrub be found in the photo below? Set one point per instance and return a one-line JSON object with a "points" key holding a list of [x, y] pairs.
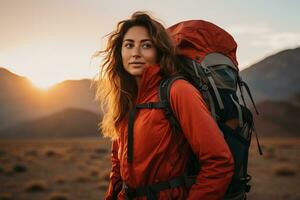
{"points": [[30, 160], [94, 172], [53, 153], [284, 169], [283, 159], [286, 146], [96, 156], [19, 157], [19, 168], [104, 176], [11, 185], [107, 158], [68, 159], [81, 166], [58, 196], [64, 189], [88, 162], [6, 196], [31, 152], [36, 186], [102, 186], [4, 160], [8, 171], [2, 153], [60, 180], [100, 150], [82, 178], [269, 153], [1, 169]]}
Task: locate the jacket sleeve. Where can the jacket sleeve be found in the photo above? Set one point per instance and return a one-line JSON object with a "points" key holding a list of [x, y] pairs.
{"points": [[206, 141], [115, 183]]}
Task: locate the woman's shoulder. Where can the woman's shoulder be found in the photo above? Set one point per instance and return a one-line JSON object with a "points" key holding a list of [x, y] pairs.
{"points": [[183, 91], [182, 87]]}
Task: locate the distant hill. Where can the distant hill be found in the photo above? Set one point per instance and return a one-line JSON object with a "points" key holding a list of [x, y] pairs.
{"points": [[279, 118], [73, 93], [20, 101], [276, 77], [68, 109], [63, 124], [18, 98]]}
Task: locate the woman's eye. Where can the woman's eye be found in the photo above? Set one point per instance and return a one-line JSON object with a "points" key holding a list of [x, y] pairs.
{"points": [[147, 45], [128, 45]]}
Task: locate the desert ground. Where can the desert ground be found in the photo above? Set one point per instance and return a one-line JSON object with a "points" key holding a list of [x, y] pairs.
{"points": [[73, 169]]}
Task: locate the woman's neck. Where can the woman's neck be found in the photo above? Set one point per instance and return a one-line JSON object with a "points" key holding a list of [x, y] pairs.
{"points": [[138, 82]]}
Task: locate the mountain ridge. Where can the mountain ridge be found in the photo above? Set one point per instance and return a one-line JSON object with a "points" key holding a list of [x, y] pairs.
{"points": [[62, 124], [21, 101], [273, 82], [276, 77]]}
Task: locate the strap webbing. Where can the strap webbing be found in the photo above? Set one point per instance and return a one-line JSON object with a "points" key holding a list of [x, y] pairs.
{"points": [[212, 106], [257, 142], [249, 93], [130, 135], [151, 191], [131, 119], [212, 84], [241, 90], [206, 92], [151, 105], [238, 107], [164, 96]]}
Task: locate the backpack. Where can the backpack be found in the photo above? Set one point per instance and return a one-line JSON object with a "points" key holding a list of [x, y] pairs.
{"points": [[208, 56]]}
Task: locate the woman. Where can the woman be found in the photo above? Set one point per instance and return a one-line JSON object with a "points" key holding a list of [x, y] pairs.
{"points": [[139, 55]]}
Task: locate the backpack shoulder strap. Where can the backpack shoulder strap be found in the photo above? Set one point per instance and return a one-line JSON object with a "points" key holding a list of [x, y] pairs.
{"points": [[164, 97]]}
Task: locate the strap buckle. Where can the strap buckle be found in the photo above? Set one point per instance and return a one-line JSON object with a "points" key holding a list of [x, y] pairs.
{"points": [[204, 87], [206, 70], [150, 105], [245, 179]]}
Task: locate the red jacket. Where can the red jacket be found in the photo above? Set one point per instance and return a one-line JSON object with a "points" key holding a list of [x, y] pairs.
{"points": [[158, 156]]}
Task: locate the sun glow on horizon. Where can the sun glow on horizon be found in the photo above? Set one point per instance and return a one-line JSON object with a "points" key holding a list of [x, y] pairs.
{"points": [[43, 84]]}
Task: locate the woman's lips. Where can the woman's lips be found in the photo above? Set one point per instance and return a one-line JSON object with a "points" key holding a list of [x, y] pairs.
{"points": [[137, 64]]}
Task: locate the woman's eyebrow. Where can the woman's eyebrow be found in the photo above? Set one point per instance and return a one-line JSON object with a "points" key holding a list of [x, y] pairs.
{"points": [[146, 40], [131, 40], [128, 40]]}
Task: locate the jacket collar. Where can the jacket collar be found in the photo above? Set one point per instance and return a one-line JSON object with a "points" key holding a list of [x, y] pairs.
{"points": [[149, 80]]}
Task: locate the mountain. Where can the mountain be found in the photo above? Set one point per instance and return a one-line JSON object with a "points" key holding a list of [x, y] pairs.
{"points": [[275, 77], [73, 93], [26, 110], [63, 124], [279, 118], [20, 101], [17, 97]]}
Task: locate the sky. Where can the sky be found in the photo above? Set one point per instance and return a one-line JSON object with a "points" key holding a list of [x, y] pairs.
{"points": [[49, 41]]}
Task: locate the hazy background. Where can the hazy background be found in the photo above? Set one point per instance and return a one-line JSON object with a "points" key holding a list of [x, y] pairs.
{"points": [[49, 41], [50, 146]]}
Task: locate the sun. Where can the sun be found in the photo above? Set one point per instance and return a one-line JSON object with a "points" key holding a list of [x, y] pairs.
{"points": [[42, 84]]}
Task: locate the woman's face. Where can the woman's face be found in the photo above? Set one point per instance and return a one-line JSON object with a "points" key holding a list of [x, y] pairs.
{"points": [[138, 50]]}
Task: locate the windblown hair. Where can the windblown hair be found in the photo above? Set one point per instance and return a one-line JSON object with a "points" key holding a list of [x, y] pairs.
{"points": [[116, 88]]}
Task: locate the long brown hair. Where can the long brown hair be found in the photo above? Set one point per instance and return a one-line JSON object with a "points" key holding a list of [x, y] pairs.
{"points": [[117, 89]]}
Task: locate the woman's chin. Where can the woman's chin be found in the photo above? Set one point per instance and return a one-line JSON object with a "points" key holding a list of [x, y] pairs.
{"points": [[137, 72]]}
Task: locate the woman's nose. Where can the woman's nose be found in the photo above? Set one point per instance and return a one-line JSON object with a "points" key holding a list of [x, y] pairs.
{"points": [[136, 52]]}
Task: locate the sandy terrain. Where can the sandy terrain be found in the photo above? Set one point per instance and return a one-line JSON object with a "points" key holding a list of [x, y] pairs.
{"points": [[78, 169]]}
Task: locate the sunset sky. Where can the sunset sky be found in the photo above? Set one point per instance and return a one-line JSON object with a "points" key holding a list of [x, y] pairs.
{"points": [[49, 41]]}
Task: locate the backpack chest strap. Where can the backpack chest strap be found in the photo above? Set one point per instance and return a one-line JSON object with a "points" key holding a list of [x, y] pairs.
{"points": [[132, 113], [151, 105]]}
